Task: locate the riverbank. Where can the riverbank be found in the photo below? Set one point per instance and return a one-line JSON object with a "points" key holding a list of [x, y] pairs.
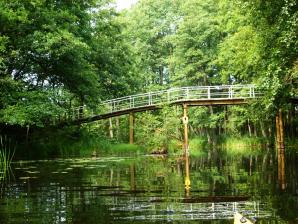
{"points": [[92, 141]]}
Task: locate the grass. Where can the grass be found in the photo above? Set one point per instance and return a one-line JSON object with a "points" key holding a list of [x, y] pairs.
{"points": [[197, 146], [242, 142], [122, 148], [7, 151], [174, 146], [77, 143], [85, 143], [231, 145], [243, 145], [93, 145]]}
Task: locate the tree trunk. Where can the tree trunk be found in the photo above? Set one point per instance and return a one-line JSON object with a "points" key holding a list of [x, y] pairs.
{"points": [[270, 133], [264, 134], [81, 109], [225, 119], [208, 136], [27, 134], [249, 127], [131, 128], [212, 130], [201, 131], [161, 75], [255, 130], [117, 128], [111, 128], [291, 121]]}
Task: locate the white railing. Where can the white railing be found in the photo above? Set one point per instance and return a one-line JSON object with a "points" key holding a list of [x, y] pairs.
{"points": [[170, 96], [192, 211]]}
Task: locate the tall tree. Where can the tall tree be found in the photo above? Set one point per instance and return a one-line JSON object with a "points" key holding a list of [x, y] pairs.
{"points": [[195, 44], [151, 23], [54, 52]]}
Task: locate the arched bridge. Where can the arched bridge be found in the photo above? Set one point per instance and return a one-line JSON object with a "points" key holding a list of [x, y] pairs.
{"points": [[186, 96], [191, 96]]}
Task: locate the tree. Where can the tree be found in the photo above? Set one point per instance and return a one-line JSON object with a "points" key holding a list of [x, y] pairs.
{"points": [[58, 54], [150, 25], [195, 43]]}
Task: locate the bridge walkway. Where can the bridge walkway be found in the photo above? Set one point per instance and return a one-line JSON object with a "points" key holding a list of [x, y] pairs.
{"points": [[190, 96]]}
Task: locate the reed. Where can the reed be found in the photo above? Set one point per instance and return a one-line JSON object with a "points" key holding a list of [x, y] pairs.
{"points": [[7, 150]]}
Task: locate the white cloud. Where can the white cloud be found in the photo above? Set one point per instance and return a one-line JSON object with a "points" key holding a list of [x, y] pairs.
{"points": [[125, 4]]}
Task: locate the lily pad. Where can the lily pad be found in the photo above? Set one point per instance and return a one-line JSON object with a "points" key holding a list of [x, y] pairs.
{"points": [[24, 178]]}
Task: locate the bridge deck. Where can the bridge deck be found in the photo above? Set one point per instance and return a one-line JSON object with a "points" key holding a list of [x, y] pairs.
{"points": [[201, 102], [192, 96]]}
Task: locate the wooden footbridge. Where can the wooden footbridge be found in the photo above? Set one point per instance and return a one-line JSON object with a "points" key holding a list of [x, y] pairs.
{"points": [[185, 96], [190, 96]]}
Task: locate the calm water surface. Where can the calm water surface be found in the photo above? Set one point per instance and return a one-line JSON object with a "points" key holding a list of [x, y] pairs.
{"points": [[147, 189]]}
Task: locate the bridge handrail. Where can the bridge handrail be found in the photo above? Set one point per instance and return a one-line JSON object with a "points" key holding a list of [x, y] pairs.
{"points": [[172, 95], [218, 87]]}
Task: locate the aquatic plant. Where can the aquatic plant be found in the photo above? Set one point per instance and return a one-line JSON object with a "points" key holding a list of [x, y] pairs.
{"points": [[7, 150]]}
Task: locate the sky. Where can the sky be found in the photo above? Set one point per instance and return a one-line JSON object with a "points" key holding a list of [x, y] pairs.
{"points": [[124, 4]]}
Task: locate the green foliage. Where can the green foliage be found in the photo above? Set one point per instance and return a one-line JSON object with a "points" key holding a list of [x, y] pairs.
{"points": [[55, 55], [242, 145], [156, 130], [197, 146], [196, 43], [239, 56], [73, 142], [33, 108], [220, 42], [150, 25]]}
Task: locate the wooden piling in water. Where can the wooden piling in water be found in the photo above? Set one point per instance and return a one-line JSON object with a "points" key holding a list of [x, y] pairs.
{"points": [[185, 122], [131, 127], [187, 176]]}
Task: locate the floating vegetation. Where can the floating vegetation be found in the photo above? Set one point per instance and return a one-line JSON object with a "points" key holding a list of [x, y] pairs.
{"points": [[24, 178], [77, 166], [32, 172]]}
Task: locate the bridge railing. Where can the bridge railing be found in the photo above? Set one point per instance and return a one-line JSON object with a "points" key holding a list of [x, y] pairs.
{"points": [[169, 96]]}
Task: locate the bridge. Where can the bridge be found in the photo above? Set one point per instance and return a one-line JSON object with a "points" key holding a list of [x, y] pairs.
{"points": [[190, 96], [186, 96]]}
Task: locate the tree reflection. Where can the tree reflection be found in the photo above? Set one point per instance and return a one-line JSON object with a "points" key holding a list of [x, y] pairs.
{"points": [[152, 188]]}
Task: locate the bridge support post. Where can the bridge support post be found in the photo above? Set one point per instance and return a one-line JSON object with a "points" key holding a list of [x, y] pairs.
{"points": [[185, 123], [131, 127]]}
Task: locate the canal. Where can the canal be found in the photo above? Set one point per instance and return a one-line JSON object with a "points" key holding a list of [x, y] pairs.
{"points": [[208, 188]]}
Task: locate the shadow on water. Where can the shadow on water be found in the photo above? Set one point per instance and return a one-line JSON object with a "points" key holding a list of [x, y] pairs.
{"points": [[146, 189]]}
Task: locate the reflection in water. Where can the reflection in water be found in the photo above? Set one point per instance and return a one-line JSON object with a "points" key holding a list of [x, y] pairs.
{"points": [[280, 149], [132, 177], [146, 189], [187, 176], [281, 169]]}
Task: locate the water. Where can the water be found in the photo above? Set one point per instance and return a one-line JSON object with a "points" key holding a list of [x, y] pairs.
{"points": [[147, 189]]}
